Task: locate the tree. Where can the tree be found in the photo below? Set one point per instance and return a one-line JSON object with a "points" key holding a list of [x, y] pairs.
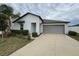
{"points": [[8, 12], [16, 15], [3, 23]]}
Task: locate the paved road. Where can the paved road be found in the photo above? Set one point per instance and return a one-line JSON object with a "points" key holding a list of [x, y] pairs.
{"points": [[50, 45]]}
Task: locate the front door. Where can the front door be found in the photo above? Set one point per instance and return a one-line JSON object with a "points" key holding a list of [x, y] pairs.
{"points": [[33, 27], [21, 26]]}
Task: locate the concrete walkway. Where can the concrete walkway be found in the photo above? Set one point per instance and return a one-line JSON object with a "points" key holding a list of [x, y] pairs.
{"points": [[50, 45]]}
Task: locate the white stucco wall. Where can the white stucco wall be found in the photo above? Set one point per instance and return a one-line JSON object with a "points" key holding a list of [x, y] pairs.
{"points": [[15, 26], [75, 28], [27, 25], [41, 29], [66, 28], [65, 24]]}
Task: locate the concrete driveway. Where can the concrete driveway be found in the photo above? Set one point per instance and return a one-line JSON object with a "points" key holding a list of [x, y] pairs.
{"points": [[50, 45]]}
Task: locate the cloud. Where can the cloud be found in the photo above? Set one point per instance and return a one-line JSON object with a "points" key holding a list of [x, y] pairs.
{"points": [[64, 11]]}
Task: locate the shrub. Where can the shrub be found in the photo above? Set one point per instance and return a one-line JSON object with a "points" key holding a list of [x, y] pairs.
{"points": [[13, 34], [73, 33], [16, 31], [25, 32], [34, 34]]}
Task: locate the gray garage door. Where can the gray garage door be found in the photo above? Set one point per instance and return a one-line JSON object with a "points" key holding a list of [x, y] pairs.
{"points": [[55, 29]]}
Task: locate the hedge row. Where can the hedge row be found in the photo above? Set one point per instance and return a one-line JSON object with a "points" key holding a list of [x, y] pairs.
{"points": [[73, 33], [24, 32]]}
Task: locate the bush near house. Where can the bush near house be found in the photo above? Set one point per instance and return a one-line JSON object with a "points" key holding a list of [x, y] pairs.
{"points": [[16, 31], [12, 43], [75, 37], [24, 32], [21, 34], [73, 33], [34, 34]]}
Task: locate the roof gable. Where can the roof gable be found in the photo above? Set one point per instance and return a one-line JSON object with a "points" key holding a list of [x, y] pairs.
{"points": [[26, 15]]}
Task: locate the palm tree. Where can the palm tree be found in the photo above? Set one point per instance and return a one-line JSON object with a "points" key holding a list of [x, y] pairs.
{"points": [[8, 12]]}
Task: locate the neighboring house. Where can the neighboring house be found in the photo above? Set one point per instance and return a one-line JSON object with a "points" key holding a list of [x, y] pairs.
{"points": [[35, 23], [74, 28]]}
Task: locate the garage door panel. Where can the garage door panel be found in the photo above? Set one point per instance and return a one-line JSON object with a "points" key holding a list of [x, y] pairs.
{"points": [[57, 29]]}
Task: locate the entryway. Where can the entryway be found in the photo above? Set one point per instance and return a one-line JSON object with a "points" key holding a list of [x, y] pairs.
{"points": [[33, 27]]}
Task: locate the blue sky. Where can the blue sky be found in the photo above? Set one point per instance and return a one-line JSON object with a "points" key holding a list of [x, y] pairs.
{"points": [[54, 11]]}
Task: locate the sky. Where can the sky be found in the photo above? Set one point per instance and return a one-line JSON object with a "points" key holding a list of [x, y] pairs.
{"points": [[53, 11]]}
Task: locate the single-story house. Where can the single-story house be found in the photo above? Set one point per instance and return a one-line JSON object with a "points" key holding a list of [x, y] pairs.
{"points": [[74, 28], [34, 23]]}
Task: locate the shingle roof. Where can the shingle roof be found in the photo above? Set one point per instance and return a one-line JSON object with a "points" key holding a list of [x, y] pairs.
{"points": [[27, 14], [54, 21], [43, 20]]}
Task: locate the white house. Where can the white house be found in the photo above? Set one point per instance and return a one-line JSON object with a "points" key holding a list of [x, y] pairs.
{"points": [[34, 23], [74, 28]]}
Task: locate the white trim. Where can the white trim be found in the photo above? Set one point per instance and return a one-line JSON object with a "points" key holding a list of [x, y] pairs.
{"points": [[55, 24]]}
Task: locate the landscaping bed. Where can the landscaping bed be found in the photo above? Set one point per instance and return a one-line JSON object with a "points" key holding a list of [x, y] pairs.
{"points": [[12, 43], [75, 37]]}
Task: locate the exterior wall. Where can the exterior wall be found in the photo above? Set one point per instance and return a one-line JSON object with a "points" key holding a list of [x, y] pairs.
{"points": [[32, 19], [75, 28], [66, 27], [41, 28], [27, 25], [15, 26]]}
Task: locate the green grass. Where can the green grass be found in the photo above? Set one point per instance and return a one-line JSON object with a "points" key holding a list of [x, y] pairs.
{"points": [[75, 37], [11, 44]]}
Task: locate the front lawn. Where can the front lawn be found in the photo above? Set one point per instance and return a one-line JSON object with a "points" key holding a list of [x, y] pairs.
{"points": [[11, 44], [75, 37]]}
